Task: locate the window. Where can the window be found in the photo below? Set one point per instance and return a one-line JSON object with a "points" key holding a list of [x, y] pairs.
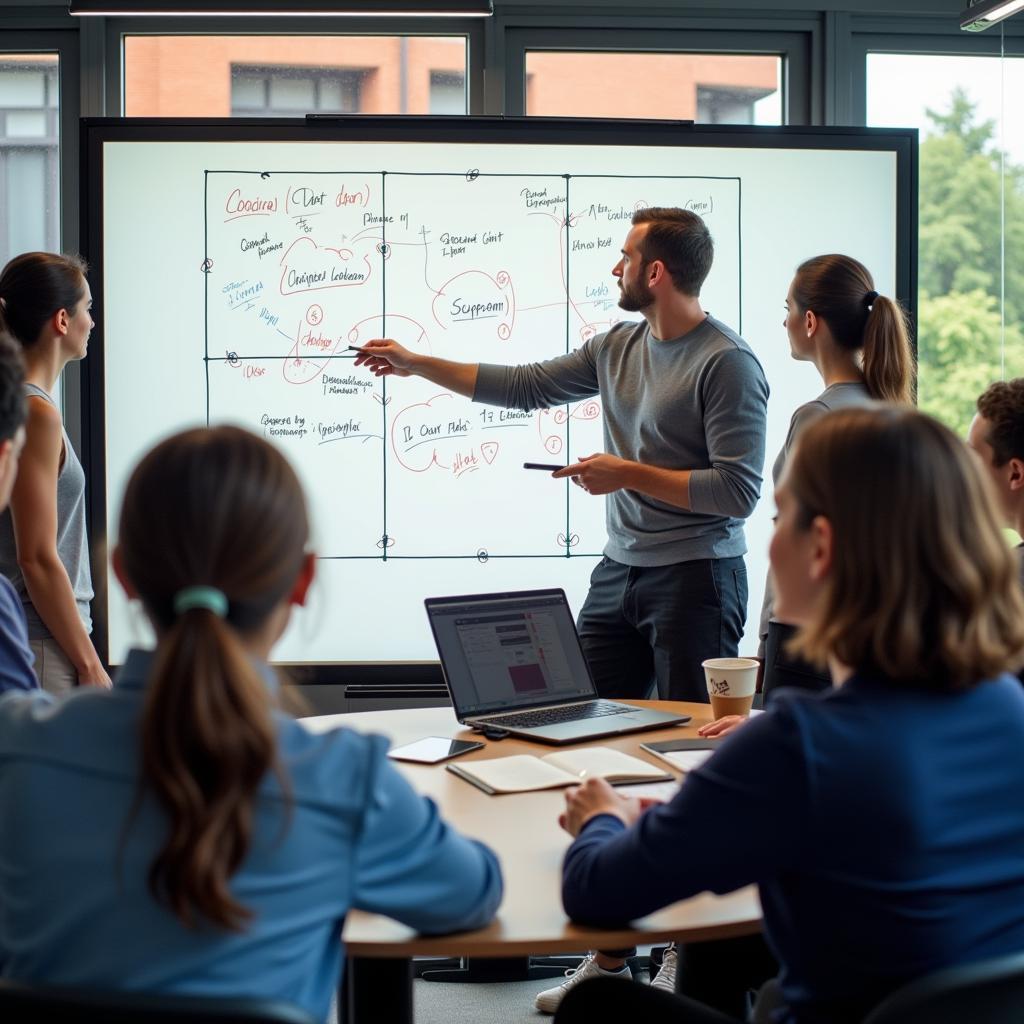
{"points": [[29, 165], [710, 88], [971, 218], [288, 76], [447, 92], [292, 92], [738, 105]]}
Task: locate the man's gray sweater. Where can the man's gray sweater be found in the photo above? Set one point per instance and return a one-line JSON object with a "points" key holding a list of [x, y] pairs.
{"points": [[697, 402]]}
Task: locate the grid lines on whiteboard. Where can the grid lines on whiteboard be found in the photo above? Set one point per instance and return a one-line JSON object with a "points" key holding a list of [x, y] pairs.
{"points": [[471, 266]]}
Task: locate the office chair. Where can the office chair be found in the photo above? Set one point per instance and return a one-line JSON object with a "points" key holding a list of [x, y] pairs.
{"points": [[988, 992], [22, 1003]]}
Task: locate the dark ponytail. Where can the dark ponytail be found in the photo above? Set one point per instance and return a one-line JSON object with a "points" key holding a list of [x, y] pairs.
{"points": [[34, 286], [840, 291], [219, 509]]}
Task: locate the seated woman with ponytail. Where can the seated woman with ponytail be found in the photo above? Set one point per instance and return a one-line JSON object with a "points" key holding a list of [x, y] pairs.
{"points": [[181, 833]]}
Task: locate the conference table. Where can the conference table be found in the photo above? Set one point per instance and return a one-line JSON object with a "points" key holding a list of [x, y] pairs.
{"points": [[523, 830]]}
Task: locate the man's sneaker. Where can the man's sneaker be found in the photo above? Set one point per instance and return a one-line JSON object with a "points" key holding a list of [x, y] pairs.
{"points": [[665, 979], [549, 1000]]}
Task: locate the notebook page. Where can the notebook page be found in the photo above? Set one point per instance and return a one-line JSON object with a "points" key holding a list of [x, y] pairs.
{"points": [[604, 762], [517, 774]]}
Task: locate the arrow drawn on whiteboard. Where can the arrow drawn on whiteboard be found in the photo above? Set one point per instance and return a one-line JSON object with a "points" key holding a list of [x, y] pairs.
{"points": [[382, 401], [265, 175]]}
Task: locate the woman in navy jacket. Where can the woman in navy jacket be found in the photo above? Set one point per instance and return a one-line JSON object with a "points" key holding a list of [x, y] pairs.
{"points": [[882, 820]]}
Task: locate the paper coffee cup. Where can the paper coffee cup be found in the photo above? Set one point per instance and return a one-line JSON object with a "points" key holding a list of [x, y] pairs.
{"points": [[731, 685]]}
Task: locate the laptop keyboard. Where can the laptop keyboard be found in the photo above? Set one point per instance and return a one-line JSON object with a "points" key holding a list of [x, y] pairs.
{"points": [[555, 715]]}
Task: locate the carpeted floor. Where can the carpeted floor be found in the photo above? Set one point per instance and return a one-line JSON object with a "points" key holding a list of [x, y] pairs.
{"points": [[503, 1002], [509, 1002]]}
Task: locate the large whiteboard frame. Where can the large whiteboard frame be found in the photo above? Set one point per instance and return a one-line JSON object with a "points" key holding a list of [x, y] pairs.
{"points": [[900, 208]]}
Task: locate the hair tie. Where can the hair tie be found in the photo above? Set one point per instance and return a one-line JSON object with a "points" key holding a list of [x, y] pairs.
{"points": [[869, 299], [210, 598]]}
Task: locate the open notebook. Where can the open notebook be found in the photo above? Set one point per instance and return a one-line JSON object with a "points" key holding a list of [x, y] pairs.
{"points": [[523, 773]]}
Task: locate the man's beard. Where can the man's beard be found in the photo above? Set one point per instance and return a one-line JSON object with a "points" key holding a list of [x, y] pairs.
{"points": [[635, 297]]}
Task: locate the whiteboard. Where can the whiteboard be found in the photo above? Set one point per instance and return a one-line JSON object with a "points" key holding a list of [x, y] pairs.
{"points": [[233, 275]]}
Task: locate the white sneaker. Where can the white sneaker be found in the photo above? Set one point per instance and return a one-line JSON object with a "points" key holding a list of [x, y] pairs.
{"points": [[665, 979], [548, 1001]]}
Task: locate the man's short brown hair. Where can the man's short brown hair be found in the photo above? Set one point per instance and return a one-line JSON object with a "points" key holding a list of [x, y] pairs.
{"points": [[1002, 405], [679, 239]]}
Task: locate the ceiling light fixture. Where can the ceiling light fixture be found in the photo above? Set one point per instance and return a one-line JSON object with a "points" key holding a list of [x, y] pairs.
{"points": [[279, 8], [982, 14]]}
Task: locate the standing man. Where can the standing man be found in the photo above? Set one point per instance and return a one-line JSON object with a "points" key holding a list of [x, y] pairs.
{"points": [[685, 402], [997, 435]]}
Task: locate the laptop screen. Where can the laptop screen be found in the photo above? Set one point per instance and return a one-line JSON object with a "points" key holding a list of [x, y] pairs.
{"points": [[506, 651]]}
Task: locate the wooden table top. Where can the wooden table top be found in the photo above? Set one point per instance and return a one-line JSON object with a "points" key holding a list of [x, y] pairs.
{"points": [[523, 830]]}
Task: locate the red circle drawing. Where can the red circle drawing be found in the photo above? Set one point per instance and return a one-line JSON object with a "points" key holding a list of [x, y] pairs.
{"points": [[553, 444], [314, 315], [504, 331], [502, 278]]}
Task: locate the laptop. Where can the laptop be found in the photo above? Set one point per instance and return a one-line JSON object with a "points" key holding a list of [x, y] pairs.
{"points": [[513, 664]]}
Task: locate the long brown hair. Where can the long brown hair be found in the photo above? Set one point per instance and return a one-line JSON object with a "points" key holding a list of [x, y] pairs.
{"points": [[841, 292], [34, 286], [923, 588], [217, 508]]}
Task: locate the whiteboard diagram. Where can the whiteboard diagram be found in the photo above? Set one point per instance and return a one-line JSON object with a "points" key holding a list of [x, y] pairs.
{"points": [[234, 263], [482, 267]]}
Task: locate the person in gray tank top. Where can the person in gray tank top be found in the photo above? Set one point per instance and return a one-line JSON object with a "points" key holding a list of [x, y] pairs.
{"points": [[858, 341], [45, 305]]}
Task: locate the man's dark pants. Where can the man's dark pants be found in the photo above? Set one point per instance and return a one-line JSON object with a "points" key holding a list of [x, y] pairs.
{"points": [[643, 626]]}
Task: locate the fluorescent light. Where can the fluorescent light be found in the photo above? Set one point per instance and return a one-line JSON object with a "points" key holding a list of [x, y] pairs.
{"points": [[984, 13], [278, 8]]}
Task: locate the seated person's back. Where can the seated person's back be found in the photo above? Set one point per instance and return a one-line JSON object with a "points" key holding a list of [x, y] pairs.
{"points": [[893, 833], [180, 833]]}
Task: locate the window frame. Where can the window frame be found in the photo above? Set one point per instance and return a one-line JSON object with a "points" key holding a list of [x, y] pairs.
{"points": [[795, 45], [469, 28], [920, 36], [65, 45], [68, 45]]}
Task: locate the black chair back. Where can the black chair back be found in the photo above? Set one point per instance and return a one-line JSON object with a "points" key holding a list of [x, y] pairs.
{"points": [[22, 1003], [988, 992]]}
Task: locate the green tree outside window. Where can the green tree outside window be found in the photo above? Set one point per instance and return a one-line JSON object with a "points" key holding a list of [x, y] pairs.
{"points": [[959, 330]]}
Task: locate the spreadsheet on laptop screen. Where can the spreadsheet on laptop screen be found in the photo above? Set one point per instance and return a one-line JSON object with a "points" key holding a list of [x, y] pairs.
{"points": [[509, 652]]}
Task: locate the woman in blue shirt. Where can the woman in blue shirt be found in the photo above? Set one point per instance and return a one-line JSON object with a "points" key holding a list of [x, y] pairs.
{"points": [[881, 820], [181, 833]]}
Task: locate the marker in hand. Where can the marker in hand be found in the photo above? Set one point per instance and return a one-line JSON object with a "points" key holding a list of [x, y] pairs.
{"points": [[542, 465]]}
